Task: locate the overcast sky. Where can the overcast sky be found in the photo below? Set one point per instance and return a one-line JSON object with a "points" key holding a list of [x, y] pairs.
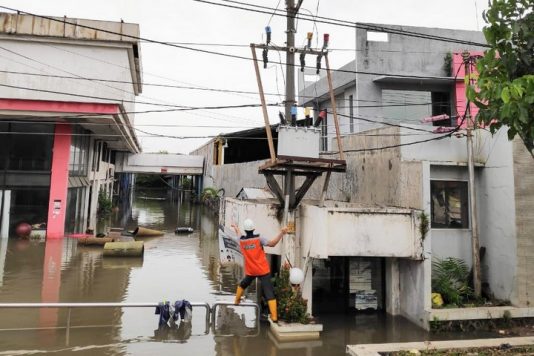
{"points": [[190, 21]]}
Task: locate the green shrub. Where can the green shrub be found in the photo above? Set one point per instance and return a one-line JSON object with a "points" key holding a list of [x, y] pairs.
{"points": [[423, 225], [292, 308], [104, 204], [208, 193], [187, 183], [450, 278], [149, 181]]}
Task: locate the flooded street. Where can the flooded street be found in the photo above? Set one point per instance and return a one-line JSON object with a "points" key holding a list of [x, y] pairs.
{"points": [[174, 267]]}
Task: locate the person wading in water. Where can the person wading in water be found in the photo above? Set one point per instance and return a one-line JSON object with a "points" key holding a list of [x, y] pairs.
{"points": [[256, 265]]}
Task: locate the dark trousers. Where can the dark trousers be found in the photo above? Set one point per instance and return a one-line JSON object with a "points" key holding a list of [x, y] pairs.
{"points": [[266, 285]]}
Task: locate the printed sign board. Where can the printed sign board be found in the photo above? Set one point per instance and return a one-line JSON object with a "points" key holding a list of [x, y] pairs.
{"points": [[229, 250]]}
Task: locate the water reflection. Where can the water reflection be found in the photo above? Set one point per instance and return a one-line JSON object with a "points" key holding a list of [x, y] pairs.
{"points": [[174, 267]]}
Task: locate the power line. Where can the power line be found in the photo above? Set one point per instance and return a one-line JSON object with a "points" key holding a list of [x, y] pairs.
{"points": [[125, 67], [191, 126], [449, 134], [345, 23], [95, 79], [170, 86], [13, 120], [272, 15], [178, 107], [333, 49], [147, 135], [374, 121], [203, 50], [16, 120], [62, 70], [382, 122], [226, 136], [182, 107], [78, 77], [398, 145]]}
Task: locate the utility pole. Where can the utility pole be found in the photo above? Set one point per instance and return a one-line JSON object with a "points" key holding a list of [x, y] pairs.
{"points": [[289, 180], [288, 166], [290, 58], [477, 284]]}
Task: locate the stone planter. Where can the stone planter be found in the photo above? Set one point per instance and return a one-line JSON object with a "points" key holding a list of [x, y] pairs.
{"points": [[295, 331]]}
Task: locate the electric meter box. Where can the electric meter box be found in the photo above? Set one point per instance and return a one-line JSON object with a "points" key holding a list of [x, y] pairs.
{"points": [[299, 141]]}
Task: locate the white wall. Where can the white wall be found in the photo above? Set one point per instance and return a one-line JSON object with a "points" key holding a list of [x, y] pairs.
{"points": [[449, 242], [262, 213], [64, 59], [415, 290], [349, 230], [494, 184], [497, 220]]}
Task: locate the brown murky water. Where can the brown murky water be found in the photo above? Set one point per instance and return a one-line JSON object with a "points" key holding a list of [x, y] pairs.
{"points": [[174, 267]]}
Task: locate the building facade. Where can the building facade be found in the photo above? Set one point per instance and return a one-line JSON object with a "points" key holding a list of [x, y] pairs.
{"points": [[67, 94], [368, 237]]}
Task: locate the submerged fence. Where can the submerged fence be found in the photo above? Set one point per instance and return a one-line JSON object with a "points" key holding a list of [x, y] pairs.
{"points": [[210, 311]]}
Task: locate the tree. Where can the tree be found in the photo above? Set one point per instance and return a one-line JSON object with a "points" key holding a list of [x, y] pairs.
{"points": [[505, 84]]}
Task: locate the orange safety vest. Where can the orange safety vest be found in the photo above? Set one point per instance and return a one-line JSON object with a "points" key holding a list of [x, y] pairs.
{"points": [[255, 261]]}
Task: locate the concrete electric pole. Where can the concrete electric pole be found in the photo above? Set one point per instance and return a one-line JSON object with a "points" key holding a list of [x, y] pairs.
{"points": [[289, 166], [290, 58], [477, 284]]}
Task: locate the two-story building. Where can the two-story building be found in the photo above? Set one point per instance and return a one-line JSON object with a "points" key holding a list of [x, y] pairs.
{"points": [[365, 247], [67, 95]]}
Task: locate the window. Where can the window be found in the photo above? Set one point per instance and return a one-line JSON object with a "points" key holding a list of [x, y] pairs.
{"points": [[29, 205], [441, 104], [414, 105], [4, 150], [449, 207], [26, 146], [74, 217], [377, 36], [79, 148], [96, 155]]}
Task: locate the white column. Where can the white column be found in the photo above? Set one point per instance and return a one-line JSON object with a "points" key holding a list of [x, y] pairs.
{"points": [[3, 253], [4, 230], [392, 286], [4, 224], [307, 285]]}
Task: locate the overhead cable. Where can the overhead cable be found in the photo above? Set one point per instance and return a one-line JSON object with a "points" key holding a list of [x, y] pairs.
{"points": [[345, 23], [204, 50]]}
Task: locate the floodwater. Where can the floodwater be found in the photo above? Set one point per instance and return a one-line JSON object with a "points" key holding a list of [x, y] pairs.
{"points": [[174, 267]]}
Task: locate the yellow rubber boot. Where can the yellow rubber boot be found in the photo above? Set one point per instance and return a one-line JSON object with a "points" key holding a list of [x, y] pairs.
{"points": [[272, 309], [238, 294]]}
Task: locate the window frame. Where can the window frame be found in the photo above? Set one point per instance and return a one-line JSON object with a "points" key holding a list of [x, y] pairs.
{"points": [[467, 203]]}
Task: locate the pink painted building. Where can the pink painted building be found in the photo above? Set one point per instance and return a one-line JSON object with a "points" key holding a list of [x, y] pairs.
{"points": [[59, 127]]}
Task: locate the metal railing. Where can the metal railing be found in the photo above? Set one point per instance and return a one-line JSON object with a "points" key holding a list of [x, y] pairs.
{"points": [[209, 319], [252, 305]]}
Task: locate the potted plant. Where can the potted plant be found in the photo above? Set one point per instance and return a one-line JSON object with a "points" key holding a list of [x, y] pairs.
{"points": [[294, 321]]}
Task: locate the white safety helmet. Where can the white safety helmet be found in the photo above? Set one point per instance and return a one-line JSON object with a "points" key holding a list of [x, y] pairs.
{"points": [[248, 225]]}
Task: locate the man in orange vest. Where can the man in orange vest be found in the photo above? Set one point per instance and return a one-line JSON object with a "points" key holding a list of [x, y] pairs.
{"points": [[256, 265]]}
